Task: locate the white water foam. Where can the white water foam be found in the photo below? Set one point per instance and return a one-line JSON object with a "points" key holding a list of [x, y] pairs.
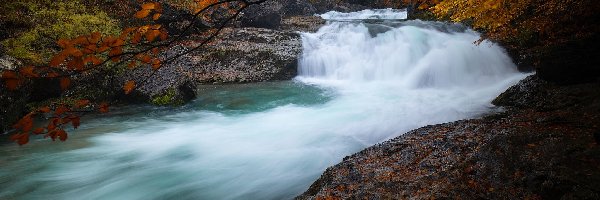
{"points": [[390, 14], [386, 82]]}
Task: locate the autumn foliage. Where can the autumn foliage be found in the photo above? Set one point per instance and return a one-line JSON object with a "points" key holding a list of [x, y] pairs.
{"points": [[134, 47], [544, 22]]}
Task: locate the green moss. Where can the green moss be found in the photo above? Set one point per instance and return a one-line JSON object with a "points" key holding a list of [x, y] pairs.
{"points": [[168, 98], [52, 20]]}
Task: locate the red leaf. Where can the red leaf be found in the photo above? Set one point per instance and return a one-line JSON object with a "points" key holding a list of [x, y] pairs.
{"points": [[103, 107], [28, 72], [52, 125], [61, 110], [63, 43], [20, 138], [11, 80], [115, 53], [62, 135], [163, 35], [64, 83], [58, 59], [129, 86], [82, 103], [38, 131], [76, 121], [155, 64], [44, 109], [24, 139], [95, 37]]}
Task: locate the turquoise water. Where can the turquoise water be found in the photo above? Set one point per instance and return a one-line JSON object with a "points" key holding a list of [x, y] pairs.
{"points": [[27, 171], [257, 97]]}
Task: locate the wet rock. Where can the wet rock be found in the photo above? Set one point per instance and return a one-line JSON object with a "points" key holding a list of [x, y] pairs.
{"points": [[302, 23], [246, 55], [173, 80], [270, 13], [237, 55]]}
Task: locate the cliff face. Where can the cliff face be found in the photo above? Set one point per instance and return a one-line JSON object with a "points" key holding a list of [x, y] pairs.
{"points": [[543, 146]]}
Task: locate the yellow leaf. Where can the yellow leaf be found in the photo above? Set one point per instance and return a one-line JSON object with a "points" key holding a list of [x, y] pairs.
{"points": [[142, 14], [148, 6], [152, 34], [156, 16]]}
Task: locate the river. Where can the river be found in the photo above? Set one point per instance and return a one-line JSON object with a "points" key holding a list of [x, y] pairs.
{"points": [[364, 78]]}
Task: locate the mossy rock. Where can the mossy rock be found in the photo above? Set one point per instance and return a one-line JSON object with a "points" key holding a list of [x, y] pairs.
{"points": [[49, 21]]}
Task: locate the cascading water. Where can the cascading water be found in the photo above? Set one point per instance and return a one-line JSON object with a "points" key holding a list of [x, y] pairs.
{"points": [[359, 84]]}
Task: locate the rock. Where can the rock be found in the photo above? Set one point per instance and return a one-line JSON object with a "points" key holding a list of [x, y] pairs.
{"points": [[520, 153], [572, 62], [9, 63], [246, 55], [13, 104], [536, 93], [270, 13], [171, 83], [525, 94], [270, 20], [302, 23], [237, 55]]}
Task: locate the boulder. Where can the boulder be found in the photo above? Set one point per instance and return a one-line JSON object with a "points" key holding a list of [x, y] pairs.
{"points": [[247, 55], [237, 55]]}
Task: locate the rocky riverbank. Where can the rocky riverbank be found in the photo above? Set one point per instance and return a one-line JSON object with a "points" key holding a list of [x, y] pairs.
{"points": [[545, 145]]}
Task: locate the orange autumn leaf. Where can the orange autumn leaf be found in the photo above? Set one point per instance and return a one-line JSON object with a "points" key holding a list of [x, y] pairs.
{"points": [[82, 103], [38, 131], [58, 59], [145, 58], [28, 72], [11, 80], [149, 6], [152, 34], [52, 124], [129, 86], [156, 16], [75, 121], [95, 37], [62, 135], [12, 84], [76, 64], [103, 108], [52, 75], [20, 138], [155, 64], [61, 110], [142, 14], [163, 35], [137, 38], [65, 83], [45, 109], [115, 54], [63, 43], [132, 64]]}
